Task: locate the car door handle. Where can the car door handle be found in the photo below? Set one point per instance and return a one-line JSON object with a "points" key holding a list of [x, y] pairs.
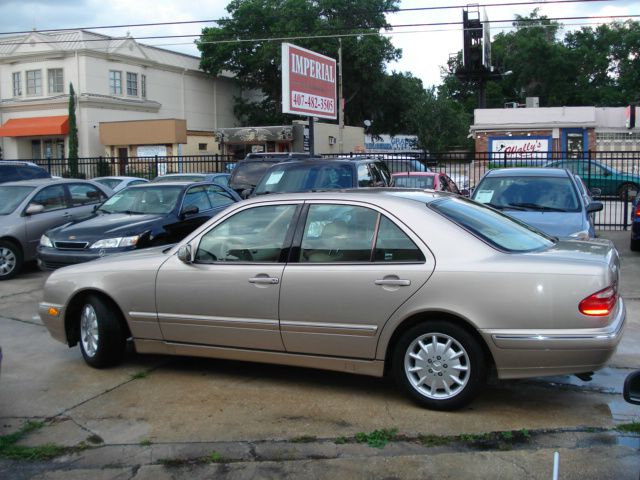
{"points": [[394, 282], [267, 280]]}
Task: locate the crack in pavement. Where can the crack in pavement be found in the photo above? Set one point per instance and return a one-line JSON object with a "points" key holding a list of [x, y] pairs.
{"points": [[28, 322], [3, 297]]}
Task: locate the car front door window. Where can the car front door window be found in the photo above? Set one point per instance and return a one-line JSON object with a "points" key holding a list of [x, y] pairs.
{"points": [[253, 235], [51, 198]]}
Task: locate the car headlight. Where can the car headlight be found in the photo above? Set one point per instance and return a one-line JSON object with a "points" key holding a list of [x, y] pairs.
{"points": [[45, 241], [581, 235], [116, 242]]}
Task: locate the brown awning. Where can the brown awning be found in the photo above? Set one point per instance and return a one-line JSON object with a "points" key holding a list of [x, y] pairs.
{"points": [[35, 126], [144, 132]]}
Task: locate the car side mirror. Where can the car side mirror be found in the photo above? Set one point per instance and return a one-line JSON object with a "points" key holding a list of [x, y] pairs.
{"points": [[594, 207], [189, 210], [465, 192], [34, 208], [184, 254], [631, 390], [595, 192], [246, 192]]}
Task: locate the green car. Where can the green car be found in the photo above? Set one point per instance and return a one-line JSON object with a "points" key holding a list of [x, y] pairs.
{"points": [[608, 180]]}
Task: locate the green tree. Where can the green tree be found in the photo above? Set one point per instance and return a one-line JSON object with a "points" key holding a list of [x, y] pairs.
{"points": [[440, 123], [73, 135], [245, 44]]}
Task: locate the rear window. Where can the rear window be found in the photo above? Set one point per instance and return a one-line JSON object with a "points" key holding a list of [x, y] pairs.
{"points": [[306, 176], [495, 228], [414, 181]]}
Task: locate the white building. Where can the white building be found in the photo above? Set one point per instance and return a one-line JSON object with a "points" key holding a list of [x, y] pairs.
{"points": [[115, 80]]}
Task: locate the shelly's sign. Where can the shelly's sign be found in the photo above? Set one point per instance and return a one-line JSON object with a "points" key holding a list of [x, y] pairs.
{"points": [[308, 83], [519, 147]]}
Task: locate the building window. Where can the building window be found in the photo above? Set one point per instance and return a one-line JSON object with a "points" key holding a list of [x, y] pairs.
{"points": [[17, 84], [34, 82], [132, 84], [143, 86], [56, 82], [115, 82], [202, 146]]}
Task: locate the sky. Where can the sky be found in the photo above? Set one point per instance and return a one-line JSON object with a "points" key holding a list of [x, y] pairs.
{"points": [[425, 49]]}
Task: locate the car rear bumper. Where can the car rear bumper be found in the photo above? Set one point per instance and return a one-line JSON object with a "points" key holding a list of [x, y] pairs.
{"points": [[532, 354]]}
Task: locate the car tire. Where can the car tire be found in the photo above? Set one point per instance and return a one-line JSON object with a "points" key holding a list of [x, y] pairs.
{"points": [[102, 338], [635, 245], [10, 259], [440, 365], [628, 191]]}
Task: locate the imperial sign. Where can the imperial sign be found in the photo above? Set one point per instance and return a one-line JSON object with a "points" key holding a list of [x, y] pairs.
{"points": [[308, 83]]}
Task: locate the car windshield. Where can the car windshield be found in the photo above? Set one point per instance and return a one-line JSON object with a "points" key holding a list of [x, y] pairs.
{"points": [[552, 194], [156, 199], [12, 196], [414, 181], [502, 231], [248, 174], [179, 178], [109, 182], [288, 177]]}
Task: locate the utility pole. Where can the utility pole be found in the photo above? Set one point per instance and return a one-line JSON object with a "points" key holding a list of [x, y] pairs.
{"points": [[340, 102]]}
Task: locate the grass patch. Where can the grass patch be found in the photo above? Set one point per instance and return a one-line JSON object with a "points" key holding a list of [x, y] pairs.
{"points": [[377, 438], [10, 450], [433, 440], [145, 443], [216, 457], [504, 440], [303, 439], [140, 375], [340, 441], [633, 427]]}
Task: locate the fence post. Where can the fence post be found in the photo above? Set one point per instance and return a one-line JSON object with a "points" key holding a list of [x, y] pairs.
{"points": [[49, 164], [504, 160], [156, 162]]}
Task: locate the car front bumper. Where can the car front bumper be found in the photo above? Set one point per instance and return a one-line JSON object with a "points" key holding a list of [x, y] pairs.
{"points": [[521, 354], [53, 258]]}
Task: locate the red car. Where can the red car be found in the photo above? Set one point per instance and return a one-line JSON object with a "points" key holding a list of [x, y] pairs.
{"points": [[430, 180]]}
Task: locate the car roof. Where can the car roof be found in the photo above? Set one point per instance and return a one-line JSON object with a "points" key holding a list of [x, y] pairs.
{"points": [[528, 172], [320, 161], [416, 174], [36, 182], [373, 195], [119, 177], [21, 163]]}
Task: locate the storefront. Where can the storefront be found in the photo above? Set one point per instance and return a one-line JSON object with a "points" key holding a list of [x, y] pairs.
{"points": [[242, 140], [570, 132]]}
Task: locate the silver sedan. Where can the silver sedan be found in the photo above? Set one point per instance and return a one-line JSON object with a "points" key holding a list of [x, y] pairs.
{"points": [[438, 290]]}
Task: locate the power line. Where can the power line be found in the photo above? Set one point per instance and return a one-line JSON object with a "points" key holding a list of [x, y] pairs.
{"points": [[191, 22], [350, 31]]}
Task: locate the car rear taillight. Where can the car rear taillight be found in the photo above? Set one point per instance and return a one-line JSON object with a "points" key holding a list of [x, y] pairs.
{"points": [[600, 303], [637, 210]]}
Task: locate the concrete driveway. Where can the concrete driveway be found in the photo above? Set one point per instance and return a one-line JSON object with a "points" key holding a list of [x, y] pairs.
{"points": [[169, 417]]}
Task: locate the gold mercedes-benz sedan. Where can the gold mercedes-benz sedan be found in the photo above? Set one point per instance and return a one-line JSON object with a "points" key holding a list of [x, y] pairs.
{"points": [[435, 289]]}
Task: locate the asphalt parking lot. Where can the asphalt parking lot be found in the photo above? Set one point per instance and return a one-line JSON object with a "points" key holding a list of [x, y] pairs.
{"points": [[168, 417]]}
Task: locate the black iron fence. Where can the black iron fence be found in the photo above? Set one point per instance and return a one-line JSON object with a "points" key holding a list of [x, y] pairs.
{"points": [[612, 177]]}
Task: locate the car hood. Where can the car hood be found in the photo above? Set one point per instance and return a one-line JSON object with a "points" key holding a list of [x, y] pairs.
{"points": [[105, 226], [557, 224]]}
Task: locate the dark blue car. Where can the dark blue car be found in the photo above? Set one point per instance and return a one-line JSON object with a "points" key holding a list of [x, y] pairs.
{"points": [[137, 217]]}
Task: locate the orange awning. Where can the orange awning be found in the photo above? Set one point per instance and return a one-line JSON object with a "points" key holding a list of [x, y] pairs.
{"points": [[35, 126]]}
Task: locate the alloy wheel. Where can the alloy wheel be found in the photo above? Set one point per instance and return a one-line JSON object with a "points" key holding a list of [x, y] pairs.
{"points": [[437, 366]]}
